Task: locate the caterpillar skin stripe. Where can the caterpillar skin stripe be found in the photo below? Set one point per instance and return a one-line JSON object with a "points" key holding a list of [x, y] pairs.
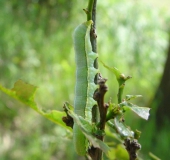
{"points": [[85, 86]]}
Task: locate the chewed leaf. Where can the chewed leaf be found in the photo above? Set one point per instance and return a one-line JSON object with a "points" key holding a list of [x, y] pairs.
{"points": [[24, 92], [87, 129], [143, 112], [129, 97]]}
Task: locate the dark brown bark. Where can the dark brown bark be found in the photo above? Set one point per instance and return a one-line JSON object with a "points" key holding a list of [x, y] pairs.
{"points": [[162, 97]]}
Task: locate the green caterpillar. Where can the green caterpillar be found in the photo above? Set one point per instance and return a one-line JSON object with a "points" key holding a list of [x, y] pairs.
{"points": [[85, 86]]}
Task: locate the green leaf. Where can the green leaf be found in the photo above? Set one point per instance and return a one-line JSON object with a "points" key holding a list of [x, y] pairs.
{"points": [[24, 93], [118, 152], [96, 142], [121, 78], [87, 130], [116, 72], [112, 135], [56, 117], [129, 97], [143, 112], [123, 130], [120, 128]]}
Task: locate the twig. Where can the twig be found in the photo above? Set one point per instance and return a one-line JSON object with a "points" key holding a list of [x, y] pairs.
{"points": [[96, 153], [132, 147]]}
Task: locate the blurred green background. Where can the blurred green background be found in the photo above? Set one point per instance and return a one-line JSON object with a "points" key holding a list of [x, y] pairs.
{"points": [[36, 46]]}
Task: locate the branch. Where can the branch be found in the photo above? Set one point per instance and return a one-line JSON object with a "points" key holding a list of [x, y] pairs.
{"points": [[99, 97], [91, 15], [132, 146], [96, 153], [93, 37]]}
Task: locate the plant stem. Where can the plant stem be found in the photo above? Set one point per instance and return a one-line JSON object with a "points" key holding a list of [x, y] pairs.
{"points": [[95, 153], [89, 10], [91, 15], [93, 37], [120, 93]]}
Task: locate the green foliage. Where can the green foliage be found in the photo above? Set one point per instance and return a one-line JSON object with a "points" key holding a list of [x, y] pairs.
{"points": [[24, 92], [143, 112], [87, 129]]}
